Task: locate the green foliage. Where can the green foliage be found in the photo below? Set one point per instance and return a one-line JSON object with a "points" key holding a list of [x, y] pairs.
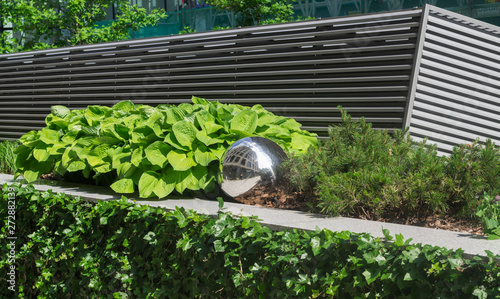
{"points": [[7, 156], [45, 24], [489, 213], [69, 248], [360, 171], [159, 149], [187, 30], [256, 12]]}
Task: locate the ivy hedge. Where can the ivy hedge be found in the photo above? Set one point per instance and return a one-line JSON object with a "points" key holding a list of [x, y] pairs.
{"points": [[70, 248]]}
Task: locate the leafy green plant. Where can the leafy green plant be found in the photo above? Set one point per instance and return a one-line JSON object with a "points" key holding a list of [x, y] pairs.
{"points": [[256, 12], [159, 149], [489, 214], [370, 173], [187, 30], [44, 24], [71, 248], [7, 156]]}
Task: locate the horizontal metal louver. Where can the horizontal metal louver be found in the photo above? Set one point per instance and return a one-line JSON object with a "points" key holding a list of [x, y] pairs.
{"points": [[430, 69], [457, 93], [302, 70]]}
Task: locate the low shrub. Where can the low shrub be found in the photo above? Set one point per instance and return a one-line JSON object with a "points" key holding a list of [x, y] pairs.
{"points": [[68, 248], [7, 156], [157, 150], [360, 171], [489, 214]]}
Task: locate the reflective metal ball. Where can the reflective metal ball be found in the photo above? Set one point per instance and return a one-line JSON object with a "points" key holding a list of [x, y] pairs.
{"points": [[251, 164]]}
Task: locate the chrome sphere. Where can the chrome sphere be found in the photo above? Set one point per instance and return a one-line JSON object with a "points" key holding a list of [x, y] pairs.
{"points": [[251, 164]]}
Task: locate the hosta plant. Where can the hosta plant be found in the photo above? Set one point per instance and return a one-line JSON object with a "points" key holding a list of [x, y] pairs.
{"points": [[158, 149]]}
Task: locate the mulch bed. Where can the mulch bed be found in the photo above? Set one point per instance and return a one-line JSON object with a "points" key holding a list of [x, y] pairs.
{"points": [[278, 197]]}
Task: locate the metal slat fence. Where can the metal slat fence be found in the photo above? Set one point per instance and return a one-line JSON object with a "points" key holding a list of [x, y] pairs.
{"points": [[302, 70], [428, 68]]}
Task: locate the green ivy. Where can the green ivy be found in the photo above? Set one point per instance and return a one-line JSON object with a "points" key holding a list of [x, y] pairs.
{"points": [[158, 149], [69, 248]]}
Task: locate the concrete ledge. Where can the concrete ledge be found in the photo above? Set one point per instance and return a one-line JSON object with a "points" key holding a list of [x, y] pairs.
{"points": [[280, 219]]}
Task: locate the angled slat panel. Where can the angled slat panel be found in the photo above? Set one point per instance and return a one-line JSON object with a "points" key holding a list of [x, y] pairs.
{"points": [[302, 70], [457, 96]]}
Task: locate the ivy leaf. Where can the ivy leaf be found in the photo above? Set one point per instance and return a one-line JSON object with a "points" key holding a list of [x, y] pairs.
{"points": [[315, 245], [399, 240]]}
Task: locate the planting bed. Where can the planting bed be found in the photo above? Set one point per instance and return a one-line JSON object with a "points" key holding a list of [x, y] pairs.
{"points": [[282, 198]]}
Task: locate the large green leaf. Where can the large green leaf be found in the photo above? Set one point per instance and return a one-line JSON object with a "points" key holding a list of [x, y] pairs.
{"points": [[207, 140], [157, 152], [273, 130], [70, 136], [118, 131], [41, 152], [218, 151], [125, 170], [165, 184], [143, 135], [76, 166], [59, 111], [94, 114], [302, 142], [181, 161], [199, 178], [125, 106], [104, 168], [185, 133], [203, 156], [55, 122], [170, 139], [137, 156], [123, 186], [245, 121], [149, 182], [182, 179], [200, 101], [96, 156], [49, 136], [36, 169], [174, 115], [266, 118], [57, 149]]}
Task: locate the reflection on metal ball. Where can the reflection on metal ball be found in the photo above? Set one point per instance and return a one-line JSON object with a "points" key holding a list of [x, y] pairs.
{"points": [[252, 164]]}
